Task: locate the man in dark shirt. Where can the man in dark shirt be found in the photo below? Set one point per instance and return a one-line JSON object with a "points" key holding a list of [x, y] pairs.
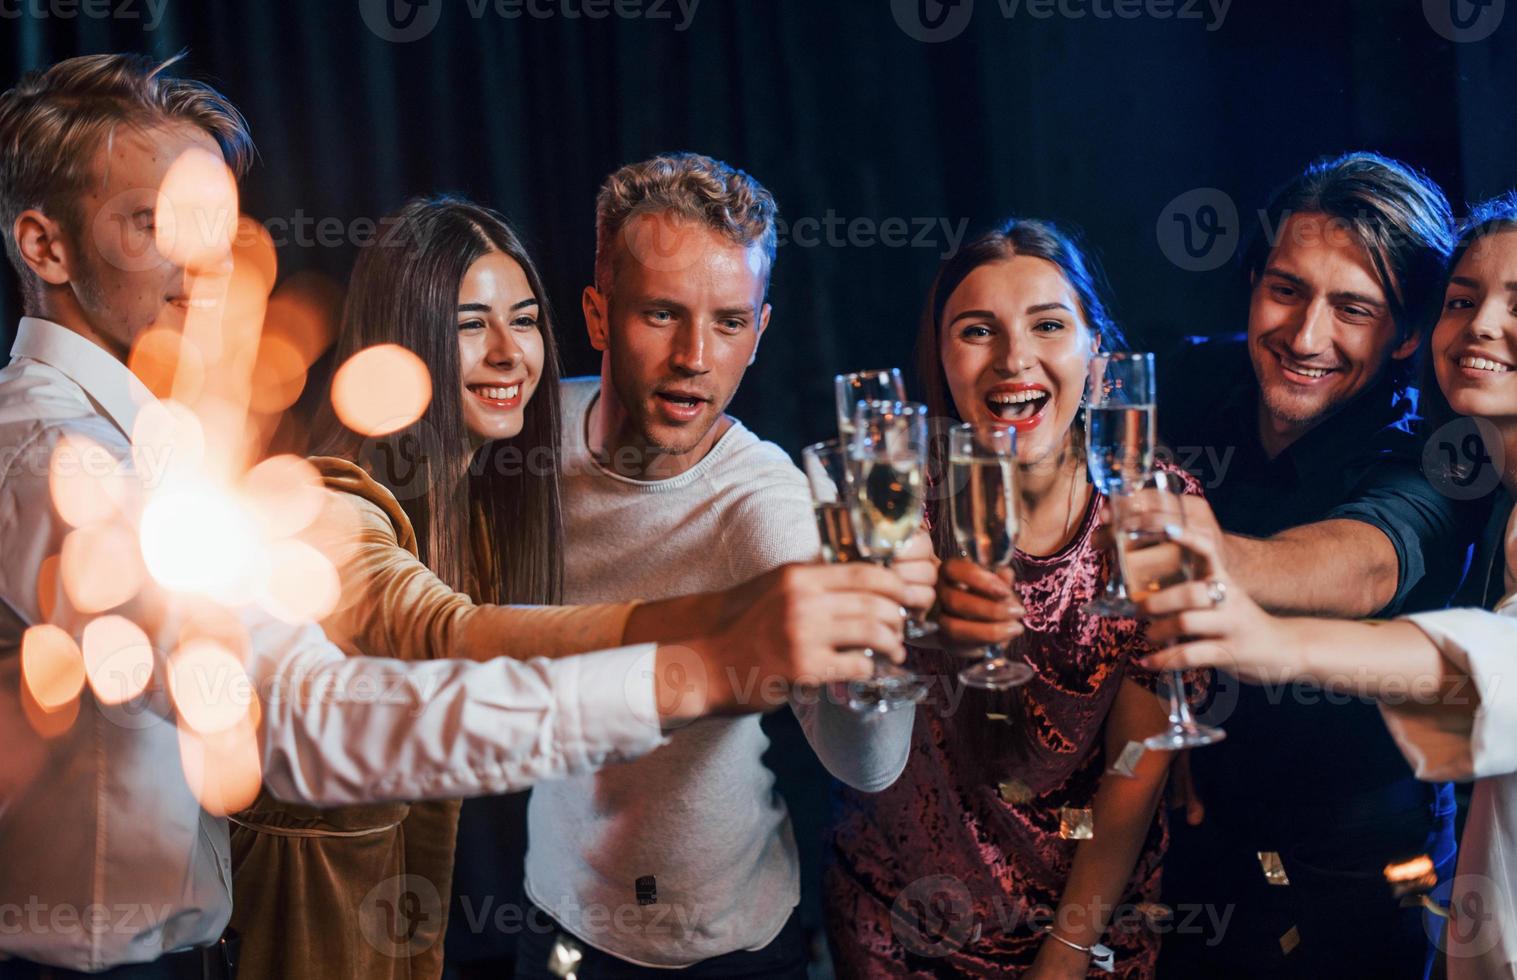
{"points": [[1303, 439]]}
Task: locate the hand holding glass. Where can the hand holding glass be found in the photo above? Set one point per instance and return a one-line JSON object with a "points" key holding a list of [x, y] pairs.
{"points": [[982, 462], [886, 468], [1151, 561]]}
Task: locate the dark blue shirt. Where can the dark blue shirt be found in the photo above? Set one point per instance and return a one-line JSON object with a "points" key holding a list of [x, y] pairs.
{"points": [[1297, 744]]}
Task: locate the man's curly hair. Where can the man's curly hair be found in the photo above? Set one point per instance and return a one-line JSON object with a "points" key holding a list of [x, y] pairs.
{"points": [[689, 186]]}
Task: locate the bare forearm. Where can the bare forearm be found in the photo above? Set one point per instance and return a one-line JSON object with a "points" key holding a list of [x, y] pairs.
{"points": [[1122, 812], [1335, 568], [1392, 661], [674, 619]]}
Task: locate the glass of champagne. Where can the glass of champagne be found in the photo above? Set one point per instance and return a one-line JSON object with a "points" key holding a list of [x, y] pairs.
{"points": [[1119, 446], [878, 386], [1151, 560], [887, 473], [865, 386], [982, 462]]}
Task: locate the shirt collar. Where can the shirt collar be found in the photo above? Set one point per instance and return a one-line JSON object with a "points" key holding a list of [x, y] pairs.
{"points": [[112, 386], [1350, 429]]}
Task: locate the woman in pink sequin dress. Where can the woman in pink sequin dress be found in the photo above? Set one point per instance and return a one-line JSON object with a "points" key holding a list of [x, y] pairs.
{"points": [[1009, 819]]}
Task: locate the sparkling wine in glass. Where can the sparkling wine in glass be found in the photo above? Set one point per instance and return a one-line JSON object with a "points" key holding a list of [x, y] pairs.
{"points": [[878, 386], [1119, 449], [982, 463], [864, 386], [1151, 561], [828, 472], [887, 472]]}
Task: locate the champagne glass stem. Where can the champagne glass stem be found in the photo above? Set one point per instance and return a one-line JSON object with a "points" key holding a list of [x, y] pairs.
{"points": [[1179, 708]]}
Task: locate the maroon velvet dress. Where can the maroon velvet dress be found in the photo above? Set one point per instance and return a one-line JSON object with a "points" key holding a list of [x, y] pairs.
{"points": [[954, 869]]}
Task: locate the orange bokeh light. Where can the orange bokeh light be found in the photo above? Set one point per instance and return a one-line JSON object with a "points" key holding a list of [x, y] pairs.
{"points": [[254, 248], [303, 584], [52, 668], [279, 375], [47, 586], [222, 769], [118, 659], [168, 438], [211, 691], [85, 481], [99, 567], [47, 724], [286, 492], [197, 215], [164, 361], [303, 312], [381, 389]]}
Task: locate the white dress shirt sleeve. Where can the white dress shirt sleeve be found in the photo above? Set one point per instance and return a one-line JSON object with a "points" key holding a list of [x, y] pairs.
{"points": [[337, 730], [1462, 745], [340, 730], [868, 752]]}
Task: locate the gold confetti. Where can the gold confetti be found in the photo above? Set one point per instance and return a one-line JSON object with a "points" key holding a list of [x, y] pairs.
{"points": [[1274, 869], [565, 958], [1076, 823], [1015, 791], [1127, 762], [1290, 941]]}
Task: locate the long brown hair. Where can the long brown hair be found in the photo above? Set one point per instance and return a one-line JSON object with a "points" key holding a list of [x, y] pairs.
{"points": [[995, 727], [498, 532], [1031, 237]]}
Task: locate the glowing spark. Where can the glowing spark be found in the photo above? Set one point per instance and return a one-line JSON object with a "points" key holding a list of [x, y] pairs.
{"points": [[51, 666], [118, 659], [381, 390]]}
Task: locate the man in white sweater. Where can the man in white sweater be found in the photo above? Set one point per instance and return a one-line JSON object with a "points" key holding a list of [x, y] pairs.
{"points": [[685, 858]]}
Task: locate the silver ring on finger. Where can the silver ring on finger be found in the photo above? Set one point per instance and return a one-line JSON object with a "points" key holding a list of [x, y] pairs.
{"points": [[1216, 591]]}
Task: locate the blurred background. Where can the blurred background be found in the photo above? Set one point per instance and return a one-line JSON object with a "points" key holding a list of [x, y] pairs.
{"points": [[890, 131]]}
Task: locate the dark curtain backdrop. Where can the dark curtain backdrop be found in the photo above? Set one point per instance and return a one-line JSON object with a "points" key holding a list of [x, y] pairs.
{"points": [[843, 114]]}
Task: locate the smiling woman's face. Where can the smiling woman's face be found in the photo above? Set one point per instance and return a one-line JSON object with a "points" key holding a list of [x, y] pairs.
{"points": [[1016, 349], [1475, 342], [500, 348]]}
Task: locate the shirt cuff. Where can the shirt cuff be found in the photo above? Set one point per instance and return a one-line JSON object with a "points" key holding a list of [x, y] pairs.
{"points": [[608, 706], [1484, 646]]}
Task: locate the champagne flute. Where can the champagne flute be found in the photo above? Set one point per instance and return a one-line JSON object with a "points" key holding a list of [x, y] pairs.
{"points": [[864, 386], [878, 386], [1119, 447], [826, 467], [887, 472], [982, 463], [1144, 514]]}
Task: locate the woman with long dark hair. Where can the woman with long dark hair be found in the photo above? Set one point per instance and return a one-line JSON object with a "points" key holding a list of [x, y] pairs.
{"points": [[973, 862], [1442, 678], [456, 549]]}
